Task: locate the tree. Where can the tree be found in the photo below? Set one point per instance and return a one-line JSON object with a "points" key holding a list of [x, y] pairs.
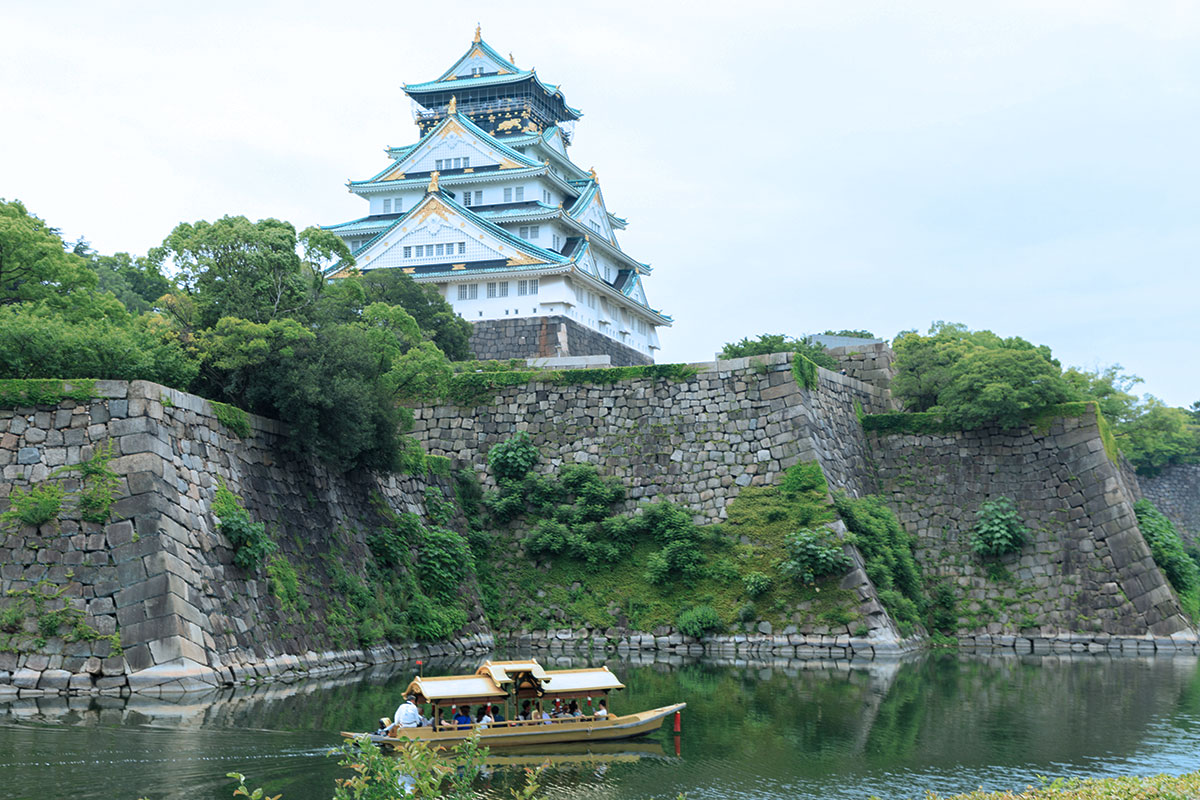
{"points": [[237, 268], [33, 262], [1001, 387], [1159, 437], [137, 282], [1109, 387], [451, 333], [769, 343]]}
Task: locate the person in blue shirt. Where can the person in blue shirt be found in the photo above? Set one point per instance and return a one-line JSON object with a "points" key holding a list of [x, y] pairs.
{"points": [[463, 717]]}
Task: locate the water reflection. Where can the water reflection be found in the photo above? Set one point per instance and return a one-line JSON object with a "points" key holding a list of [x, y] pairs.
{"points": [[946, 721]]}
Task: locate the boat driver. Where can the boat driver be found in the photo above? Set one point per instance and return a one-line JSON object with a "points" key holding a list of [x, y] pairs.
{"points": [[408, 715]]}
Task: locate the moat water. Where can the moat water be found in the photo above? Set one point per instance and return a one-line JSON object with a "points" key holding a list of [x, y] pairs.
{"points": [[945, 722]]}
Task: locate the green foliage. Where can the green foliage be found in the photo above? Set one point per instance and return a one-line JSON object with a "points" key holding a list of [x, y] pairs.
{"points": [[232, 418], [1167, 548], [856, 334], [90, 336], [28, 392], [439, 465], [443, 563], [698, 621], [887, 552], [36, 603], [974, 379], [285, 583], [804, 370], [756, 584], [99, 484], [769, 343], [440, 510], [513, 458], [34, 264], [916, 423], [137, 282], [37, 505], [813, 553], [251, 545], [998, 528], [1159, 437]]}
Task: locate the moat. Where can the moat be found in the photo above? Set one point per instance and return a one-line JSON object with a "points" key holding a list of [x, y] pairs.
{"points": [[944, 721]]}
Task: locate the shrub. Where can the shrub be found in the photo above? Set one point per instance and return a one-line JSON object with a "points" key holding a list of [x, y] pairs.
{"points": [[756, 584], [942, 612], [35, 506], [100, 484], [998, 528], [513, 458], [1167, 547], [285, 583], [443, 563], [748, 612], [812, 554], [699, 620], [251, 545], [886, 550], [388, 546]]}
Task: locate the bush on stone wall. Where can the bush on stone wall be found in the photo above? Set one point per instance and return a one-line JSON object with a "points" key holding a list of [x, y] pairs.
{"points": [[998, 528], [699, 621], [251, 545], [1169, 554], [888, 556], [811, 554], [513, 458]]}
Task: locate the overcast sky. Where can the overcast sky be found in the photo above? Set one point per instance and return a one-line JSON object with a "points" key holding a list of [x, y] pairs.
{"points": [[1028, 167]]}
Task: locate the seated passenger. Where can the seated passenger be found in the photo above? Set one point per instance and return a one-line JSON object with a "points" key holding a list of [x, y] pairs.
{"points": [[573, 710], [526, 711], [602, 711], [408, 715], [463, 718], [385, 725], [483, 718]]}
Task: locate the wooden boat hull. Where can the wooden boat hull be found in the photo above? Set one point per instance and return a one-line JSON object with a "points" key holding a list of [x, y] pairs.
{"points": [[540, 733]]}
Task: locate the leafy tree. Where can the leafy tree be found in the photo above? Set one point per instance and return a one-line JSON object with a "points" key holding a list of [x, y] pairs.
{"points": [[137, 282], [34, 264], [976, 378], [769, 343], [1109, 387], [237, 268], [433, 314], [1159, 437]]}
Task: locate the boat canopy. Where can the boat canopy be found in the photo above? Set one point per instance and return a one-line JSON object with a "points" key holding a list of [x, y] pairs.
{"points": [[502, 672], [566, 683], [455, 689]]}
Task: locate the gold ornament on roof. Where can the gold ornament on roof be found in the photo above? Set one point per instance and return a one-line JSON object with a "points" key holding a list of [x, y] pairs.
{"points": [[453, 107], [511, 60], [478, 36], [592, 173], [433, 181]]}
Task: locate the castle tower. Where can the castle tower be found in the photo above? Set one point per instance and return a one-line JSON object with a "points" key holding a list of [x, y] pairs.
{"points": [[489, 207]]}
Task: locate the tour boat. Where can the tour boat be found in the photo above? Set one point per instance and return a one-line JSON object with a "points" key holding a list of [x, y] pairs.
{"points": [[505, 686]]}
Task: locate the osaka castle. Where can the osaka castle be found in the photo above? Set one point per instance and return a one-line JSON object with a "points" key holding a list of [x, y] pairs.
{"points": [[489, 207]]}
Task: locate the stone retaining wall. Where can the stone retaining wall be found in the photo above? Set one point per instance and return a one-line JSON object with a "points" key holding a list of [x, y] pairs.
{"points": [[869, 362], [161, 574], [547, 337], [1086, 568], [1176, 493]]}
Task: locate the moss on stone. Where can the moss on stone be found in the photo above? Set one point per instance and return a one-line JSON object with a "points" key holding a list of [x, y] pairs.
{"points": [[17, 393]]}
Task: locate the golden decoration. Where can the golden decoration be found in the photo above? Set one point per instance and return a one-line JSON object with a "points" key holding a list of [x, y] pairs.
{"points": [[509, 124], [592, 173], [458, 266], [523, 260], [453, 107], [469, 169], [511, 60], [478, 34], [409, 270], [433, 181], [394, 175]]}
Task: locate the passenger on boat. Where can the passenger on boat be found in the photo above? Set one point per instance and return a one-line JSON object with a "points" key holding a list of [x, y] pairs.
{"points": [[408, 715], [463, 717], [483, 718], [602, 711], [526, 711], [573, 710], [385, 726]]}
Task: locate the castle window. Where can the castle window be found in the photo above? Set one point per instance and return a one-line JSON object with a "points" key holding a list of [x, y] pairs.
{"points": [[533, 286], [438, 250], [557, 242], [466, 163], [387, 205], [420, 251], [438, 165], [508, 195], [520, 193], [408, 252], [546, 196], [468, 291], [466, 198], [396, 206], [522, 287], [462, 248], [491, 290], [479, 198], [502, 289]]}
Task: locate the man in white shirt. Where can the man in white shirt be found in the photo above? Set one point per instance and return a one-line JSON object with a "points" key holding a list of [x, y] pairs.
{"points": [[408, 715]]}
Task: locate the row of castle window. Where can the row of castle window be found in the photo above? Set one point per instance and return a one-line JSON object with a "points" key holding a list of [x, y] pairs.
{"points": [[427, 250], [518, 194], [470, 291], [451, 163], [388, 207], [528, 232]]}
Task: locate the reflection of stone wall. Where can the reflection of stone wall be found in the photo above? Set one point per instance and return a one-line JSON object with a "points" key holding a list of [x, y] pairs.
{"points": [[1176, 493], [162, 575], [547, 337], [1086, 569]]}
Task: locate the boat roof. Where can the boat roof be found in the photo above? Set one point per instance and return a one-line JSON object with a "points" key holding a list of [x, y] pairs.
{"points": [[455, 687], [502, 672], [580, 681]]}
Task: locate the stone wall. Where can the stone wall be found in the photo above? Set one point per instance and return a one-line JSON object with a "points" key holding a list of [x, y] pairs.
{"points": [[1086, 568], [869, 362], [695, 442], [1176, 493], [547, 337], [161, 573]]}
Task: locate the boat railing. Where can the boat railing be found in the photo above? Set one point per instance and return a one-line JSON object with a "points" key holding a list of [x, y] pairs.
{"points": [[522, 723]]}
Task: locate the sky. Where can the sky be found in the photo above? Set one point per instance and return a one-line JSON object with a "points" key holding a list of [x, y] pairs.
{"points": [[1031, 168]]}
